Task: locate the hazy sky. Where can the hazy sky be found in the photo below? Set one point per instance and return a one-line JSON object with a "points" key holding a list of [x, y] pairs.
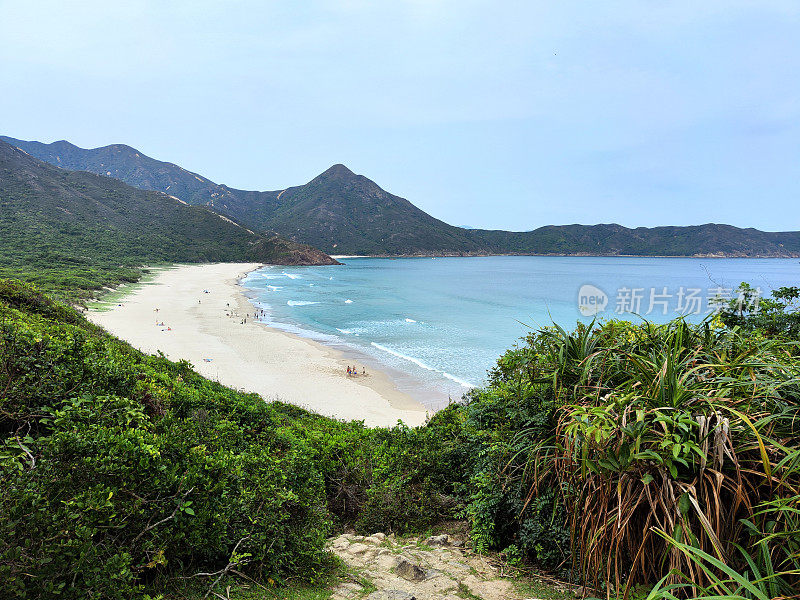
{"points": [[496, 114]]}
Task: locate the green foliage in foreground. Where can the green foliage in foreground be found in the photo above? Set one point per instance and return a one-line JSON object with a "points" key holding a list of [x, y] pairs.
{"points": [[625, 455], [668, 444], [776, 316], [123, 471], [119, 467]]}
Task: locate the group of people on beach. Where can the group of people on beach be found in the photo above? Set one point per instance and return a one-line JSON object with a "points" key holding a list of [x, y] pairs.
{"points": [[353, 371], [243, 320], [161, 323]]}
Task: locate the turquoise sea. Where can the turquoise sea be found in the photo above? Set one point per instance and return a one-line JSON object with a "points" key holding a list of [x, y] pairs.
{"points": [[437, 325]]}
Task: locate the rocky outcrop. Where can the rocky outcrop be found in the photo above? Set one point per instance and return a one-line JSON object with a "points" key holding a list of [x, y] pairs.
{"points": [[277, 250]]}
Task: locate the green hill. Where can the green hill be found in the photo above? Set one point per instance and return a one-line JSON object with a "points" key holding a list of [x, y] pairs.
{"points": [[53, 219], [710, 239], [344, 213], [129, 165], [350, 214]]}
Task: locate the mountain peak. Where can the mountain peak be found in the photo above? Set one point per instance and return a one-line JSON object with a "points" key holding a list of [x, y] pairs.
{"points": [[338, 171]]}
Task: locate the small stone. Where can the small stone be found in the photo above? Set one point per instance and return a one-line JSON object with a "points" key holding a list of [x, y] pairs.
{"points": [[357, 548], [380, 536], [438, 540], [373, 540], [409, 571]]}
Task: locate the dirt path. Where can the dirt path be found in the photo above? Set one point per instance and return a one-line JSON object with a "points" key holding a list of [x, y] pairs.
{"points": [[436, 568]]}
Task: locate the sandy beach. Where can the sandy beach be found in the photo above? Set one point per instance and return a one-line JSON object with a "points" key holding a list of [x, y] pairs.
{"points": [[251, 356]]}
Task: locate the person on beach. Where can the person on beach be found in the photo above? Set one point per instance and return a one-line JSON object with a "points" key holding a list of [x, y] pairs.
{"points": [[348, 369]]}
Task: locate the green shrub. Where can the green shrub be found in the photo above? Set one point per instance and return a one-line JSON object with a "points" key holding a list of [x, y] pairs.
{"points": [[629, 452], [120, 469], [675, 427]]}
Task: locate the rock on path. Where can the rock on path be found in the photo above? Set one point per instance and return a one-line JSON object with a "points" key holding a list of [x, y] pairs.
{"points": [[430, 569]]}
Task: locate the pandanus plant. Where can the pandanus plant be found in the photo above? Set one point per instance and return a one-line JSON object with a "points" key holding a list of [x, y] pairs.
{"points": [[670, 437]]}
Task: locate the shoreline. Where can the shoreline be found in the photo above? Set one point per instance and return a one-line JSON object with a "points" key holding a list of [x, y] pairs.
{"points": [[572, 255], [206, 329]]}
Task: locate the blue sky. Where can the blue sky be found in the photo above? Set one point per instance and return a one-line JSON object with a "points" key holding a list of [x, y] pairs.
{"points": [[495, 114]]}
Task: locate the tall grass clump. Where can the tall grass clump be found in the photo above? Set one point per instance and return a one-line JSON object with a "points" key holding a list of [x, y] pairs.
{"points": [[668, 443]]}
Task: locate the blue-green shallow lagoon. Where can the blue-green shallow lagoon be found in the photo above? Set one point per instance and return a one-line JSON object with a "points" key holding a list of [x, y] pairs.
{"points": [[437, 325]]}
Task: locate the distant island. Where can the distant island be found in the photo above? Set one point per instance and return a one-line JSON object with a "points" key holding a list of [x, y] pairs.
{"points": [[342, 213]]}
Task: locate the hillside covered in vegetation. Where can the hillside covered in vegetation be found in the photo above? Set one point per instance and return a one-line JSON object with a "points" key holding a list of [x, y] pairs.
{"points": [[73, 231], [629, 457], [344, 213]]}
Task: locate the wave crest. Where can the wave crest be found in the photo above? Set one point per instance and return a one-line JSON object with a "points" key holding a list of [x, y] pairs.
{"points": [[419, 363]]}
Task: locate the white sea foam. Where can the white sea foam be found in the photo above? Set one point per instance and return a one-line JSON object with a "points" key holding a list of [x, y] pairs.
{"points": [[345, 331], [348, 301], [419, 363], [410, 320], [292, 275], [300, 302], [274, 288]]}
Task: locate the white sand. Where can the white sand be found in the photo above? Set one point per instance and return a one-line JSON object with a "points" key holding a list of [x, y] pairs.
{"points": [[250, 357]]}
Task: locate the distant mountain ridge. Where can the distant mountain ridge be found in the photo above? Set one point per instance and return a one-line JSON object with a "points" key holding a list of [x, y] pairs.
{"points": [[344, 213], [131, 166], [51, 216]]}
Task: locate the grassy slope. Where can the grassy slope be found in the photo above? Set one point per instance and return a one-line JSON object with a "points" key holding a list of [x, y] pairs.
{"points": [[72, 231]]}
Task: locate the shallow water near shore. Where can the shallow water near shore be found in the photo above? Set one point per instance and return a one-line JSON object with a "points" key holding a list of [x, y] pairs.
{"points": [[437, 325]]}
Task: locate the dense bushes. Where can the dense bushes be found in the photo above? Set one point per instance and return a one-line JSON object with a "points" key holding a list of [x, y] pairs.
{"points": [[504, 420], [662, 443], [776, 316], [618, 454], [122, 471], [119, 469], [399, 479]]}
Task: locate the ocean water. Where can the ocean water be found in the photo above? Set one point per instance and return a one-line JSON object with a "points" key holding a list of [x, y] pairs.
{"points": [[437, 325]]}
